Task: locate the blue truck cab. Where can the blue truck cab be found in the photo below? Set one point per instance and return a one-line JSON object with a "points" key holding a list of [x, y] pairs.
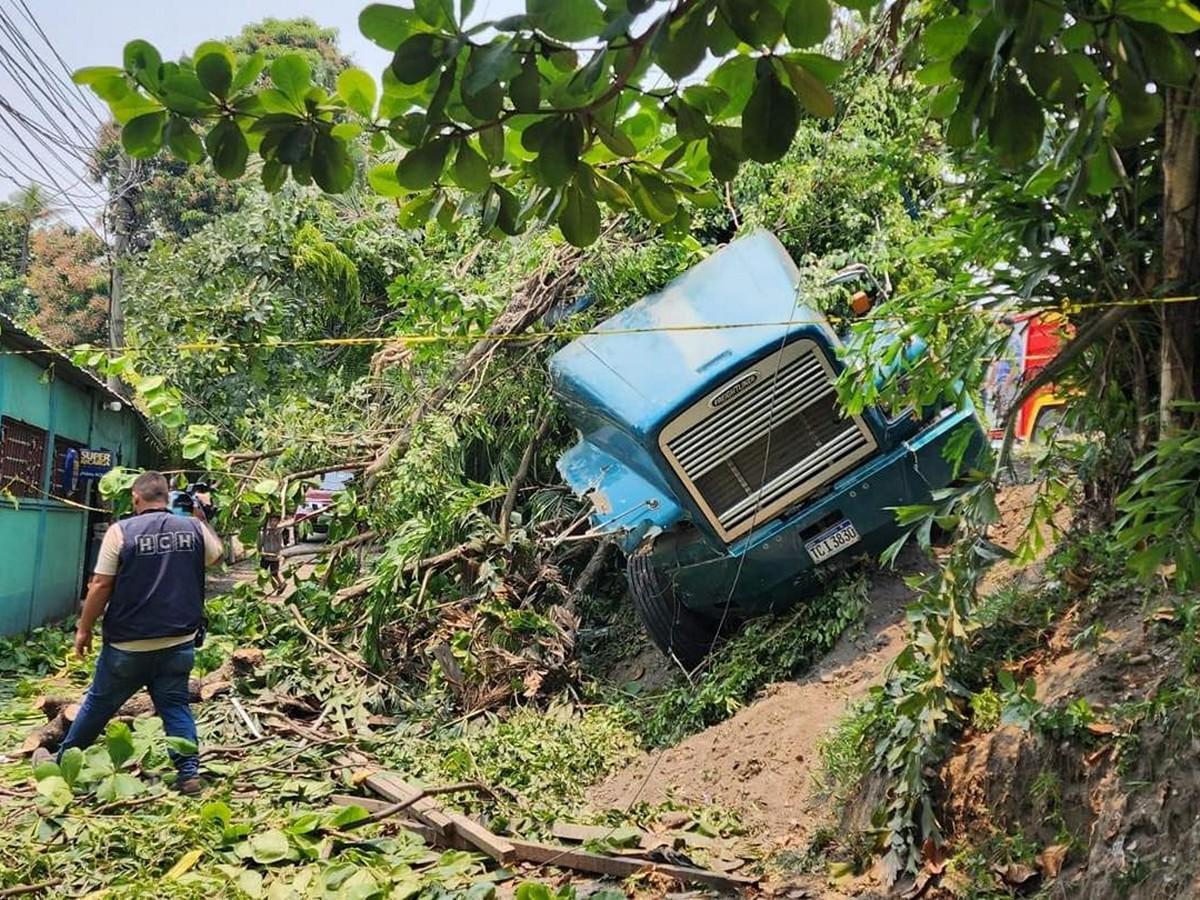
{"points": [[713, 449]]}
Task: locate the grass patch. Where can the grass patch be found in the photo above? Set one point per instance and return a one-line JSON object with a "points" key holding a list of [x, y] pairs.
{"points": [[766, 650]]}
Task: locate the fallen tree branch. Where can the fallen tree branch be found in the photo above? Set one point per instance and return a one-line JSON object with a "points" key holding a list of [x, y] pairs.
{"points": [[527, 305], [590, 572], [319, 549], [430, 562], [235, 459], [321, 642], [518, 479], [400, 805], [22, 889], [61, 711]]}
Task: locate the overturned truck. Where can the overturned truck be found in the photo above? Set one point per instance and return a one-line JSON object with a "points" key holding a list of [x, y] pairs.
{"points": [[713, 449]]}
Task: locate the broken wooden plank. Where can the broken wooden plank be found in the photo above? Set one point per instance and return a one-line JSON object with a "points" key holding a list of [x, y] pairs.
{"points": [[397, 790], [623, 867], [550, 855], [498, 848], [647, 840]]}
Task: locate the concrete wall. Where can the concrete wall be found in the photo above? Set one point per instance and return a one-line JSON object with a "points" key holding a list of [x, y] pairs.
{"points": [[43, 541]]}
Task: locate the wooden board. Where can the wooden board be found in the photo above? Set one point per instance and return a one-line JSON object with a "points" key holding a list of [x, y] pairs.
{"points": [[397, 790], [623, 867], [647, 840], [498, 848], [563, 857]]}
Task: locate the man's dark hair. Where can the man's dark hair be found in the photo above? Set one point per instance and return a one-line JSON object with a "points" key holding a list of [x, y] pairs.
{"points": [[152, 487]]}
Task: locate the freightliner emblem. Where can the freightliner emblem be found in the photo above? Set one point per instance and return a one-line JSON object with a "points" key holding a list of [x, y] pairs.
{"points": [[734, 390]]}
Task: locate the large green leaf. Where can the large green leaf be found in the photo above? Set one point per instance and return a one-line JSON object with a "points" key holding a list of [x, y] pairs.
{"points": [[71, 764], [142, 136], [119, 741], [770, 118], [183, 141], [579, 217], [248, 72], [332, 169], [119, 786], [1100, 175], [525, 89], [654, 198], [214, 68], [387, 25], [1017, 123], [685, 46], [807, 22], [292, 75], [488, 65], [143, 62], [56, 791], [417, 58], [735, 77], [423, 165], [810, 89], [566, 20], [435, 13], [945, 37], [559, 149], [270, 847], [1166, 55], [91, 75], [1052, 77], [1178, 16], [1140, 112], [228, 148], [471, 171], [357, 89]]}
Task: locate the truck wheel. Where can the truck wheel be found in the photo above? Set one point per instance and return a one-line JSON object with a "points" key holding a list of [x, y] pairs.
{"points": [[676, 630]]}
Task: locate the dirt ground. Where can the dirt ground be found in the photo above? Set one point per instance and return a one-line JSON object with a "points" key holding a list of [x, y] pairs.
{"points": [[762, 763], [758, 762]]}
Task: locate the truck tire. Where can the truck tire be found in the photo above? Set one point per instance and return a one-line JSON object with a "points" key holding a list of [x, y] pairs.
{"points": [[680, 633]]}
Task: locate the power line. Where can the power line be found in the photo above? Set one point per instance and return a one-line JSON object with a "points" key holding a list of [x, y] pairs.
{"points": [[83, 95], [31, 79]]}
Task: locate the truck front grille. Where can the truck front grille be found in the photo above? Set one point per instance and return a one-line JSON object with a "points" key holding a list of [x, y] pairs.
{"points": [[767, 437]]}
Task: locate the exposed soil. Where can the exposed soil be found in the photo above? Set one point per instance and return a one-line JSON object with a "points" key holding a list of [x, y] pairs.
{"points": [[1127, 820], [762, 762], [758, 762]]}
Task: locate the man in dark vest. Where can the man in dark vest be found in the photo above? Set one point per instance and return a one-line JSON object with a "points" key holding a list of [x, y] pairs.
{"points": [[149, 586]]}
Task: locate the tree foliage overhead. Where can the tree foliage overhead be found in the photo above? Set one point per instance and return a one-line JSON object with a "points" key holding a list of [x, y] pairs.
{"points": [[1075, 176]]}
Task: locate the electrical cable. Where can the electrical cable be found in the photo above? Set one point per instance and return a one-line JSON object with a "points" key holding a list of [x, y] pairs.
{"points": [[87, 100]]}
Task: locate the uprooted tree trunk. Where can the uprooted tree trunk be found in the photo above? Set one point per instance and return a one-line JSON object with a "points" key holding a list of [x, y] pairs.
{"points": [[1181, 253]]}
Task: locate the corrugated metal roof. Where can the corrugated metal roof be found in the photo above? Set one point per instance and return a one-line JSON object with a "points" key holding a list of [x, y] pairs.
{"points": [[12, 335]]}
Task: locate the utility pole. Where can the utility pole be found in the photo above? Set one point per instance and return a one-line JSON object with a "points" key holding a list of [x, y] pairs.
{"points": [[123, 215]]}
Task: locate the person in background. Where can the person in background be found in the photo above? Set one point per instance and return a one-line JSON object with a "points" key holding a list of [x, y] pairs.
{"points": [[149, 587]]}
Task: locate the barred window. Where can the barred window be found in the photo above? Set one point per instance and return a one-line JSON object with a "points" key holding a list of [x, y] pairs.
{"points": [[22, 458], [61, 446]]}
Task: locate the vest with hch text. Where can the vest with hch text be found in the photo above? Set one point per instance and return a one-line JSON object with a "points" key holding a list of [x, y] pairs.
{"points": [[159, 590]]}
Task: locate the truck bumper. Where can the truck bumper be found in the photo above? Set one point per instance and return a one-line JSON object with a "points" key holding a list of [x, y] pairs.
{"points": [[771, 569]]}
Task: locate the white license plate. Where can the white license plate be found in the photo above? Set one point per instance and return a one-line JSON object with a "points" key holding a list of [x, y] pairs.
{"points": [[832, 541]]}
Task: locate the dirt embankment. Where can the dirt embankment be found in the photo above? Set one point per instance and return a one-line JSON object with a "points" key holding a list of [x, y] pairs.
{"points": [[1116, 800], [759, 762]]}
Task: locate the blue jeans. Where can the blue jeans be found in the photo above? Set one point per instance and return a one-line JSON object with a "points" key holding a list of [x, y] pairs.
{"points": [[119, 675]]}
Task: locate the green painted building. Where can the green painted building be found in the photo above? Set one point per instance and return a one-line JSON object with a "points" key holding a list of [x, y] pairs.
{"points": [[48, 534]]}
